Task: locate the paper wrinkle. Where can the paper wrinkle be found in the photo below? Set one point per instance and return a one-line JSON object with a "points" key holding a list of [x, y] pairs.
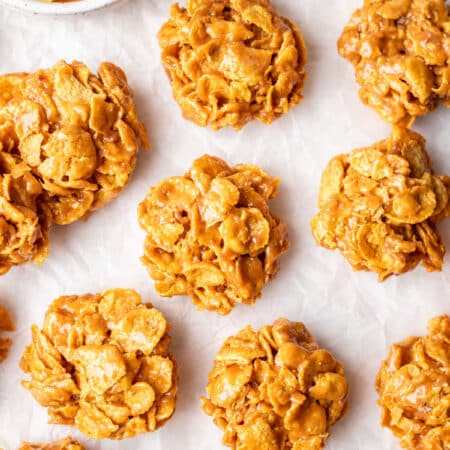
{"points": [[349, 313]]}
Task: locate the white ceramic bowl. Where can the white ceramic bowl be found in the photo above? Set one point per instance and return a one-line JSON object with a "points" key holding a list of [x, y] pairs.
{"points": [[76, 7]]}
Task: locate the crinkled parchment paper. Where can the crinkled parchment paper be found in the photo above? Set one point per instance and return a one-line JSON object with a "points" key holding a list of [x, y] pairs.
{"points": [[350, 313]]}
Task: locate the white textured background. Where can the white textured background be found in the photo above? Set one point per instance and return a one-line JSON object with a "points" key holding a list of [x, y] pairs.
{"points": [[350, 313]]}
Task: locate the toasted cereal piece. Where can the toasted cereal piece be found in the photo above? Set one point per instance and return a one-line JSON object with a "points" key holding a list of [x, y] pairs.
{"points": [[211, 235], [231, 61], [275, 388], [414, 388], [6, 324], [64, 444], [400, 52], [101, 363], [379, 207], [77, 132]]}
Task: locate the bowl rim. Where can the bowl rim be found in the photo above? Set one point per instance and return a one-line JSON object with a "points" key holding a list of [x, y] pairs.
{"points": [[76, 7]]}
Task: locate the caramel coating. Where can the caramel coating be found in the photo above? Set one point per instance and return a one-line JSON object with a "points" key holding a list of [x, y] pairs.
{"points": [[64, 444], [24, 218], [211, 235], [275, 389], [379, 206], [6, 324], [101, 363], [400, 51], [78, 133], [231, 61], [414, 388]]}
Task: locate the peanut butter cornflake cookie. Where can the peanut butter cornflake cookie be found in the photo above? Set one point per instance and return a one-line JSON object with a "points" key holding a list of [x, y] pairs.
{"points": [[231, 61], [63, 444], [102, 363], [380, 205], [275, 389], [401, 54], [68, 145], [414, 388], [211, 235], [6, 324], [24, 217], [78, 132]]}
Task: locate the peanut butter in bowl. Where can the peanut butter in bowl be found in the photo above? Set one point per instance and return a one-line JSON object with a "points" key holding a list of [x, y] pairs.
{"points": [[57, 7]]}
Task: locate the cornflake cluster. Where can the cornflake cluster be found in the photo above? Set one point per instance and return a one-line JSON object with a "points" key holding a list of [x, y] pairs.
{"points": [[275, 389], [231, 61], [400, 51], [68, 144], [414, 389], [101, 363], [63, 444], [211, 235], [379, 206], [24, 218], [6, 324]]}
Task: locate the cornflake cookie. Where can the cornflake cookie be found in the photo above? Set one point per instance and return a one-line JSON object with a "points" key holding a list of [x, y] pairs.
{"points": [[211, 235], [275, 389], [101, 363], [400, 51], [231, 61], [63, 444], [379, 206], [413, 384], [24, 218], [6, 324], [77, 132]]}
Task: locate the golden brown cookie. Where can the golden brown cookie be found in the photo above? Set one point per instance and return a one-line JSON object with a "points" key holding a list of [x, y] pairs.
{"points": [[63, 444], [400, 51], [414, 388], [78, 132], [379, 206], [24, 218], [211, 235], [68, 145], [101, 363], [6, 324], [275, 389], [231, 61]]}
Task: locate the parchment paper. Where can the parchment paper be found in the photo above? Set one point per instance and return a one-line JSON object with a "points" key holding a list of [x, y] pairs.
{"points": [[349, 313]]}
